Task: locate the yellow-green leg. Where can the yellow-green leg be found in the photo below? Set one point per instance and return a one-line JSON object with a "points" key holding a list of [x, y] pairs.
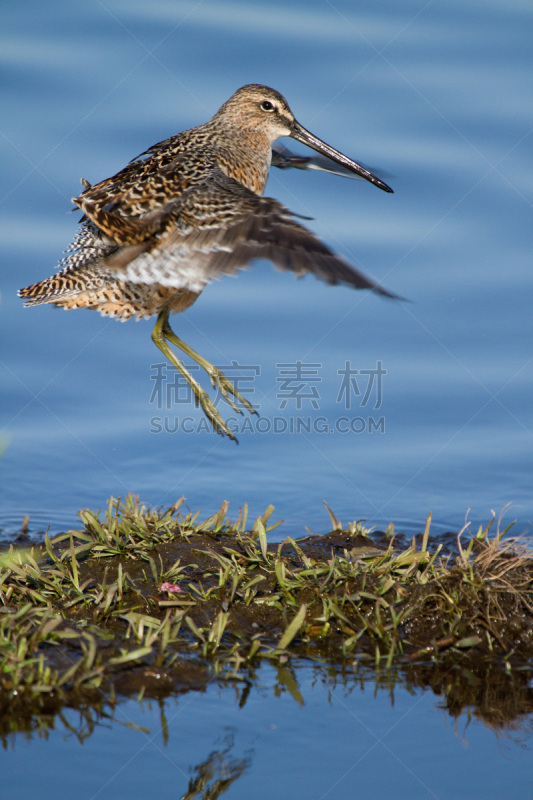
{"points": [[161, 334]]}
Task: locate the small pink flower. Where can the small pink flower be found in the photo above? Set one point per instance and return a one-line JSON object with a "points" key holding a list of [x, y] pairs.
{"points": [[170, 588]]}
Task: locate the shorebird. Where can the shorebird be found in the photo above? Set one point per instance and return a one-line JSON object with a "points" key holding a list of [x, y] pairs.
{"points": [[190, 209]]}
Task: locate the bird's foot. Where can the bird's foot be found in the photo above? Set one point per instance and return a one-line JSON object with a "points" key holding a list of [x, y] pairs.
{"points": [[227, 389], [212, 413], [162, 335]]}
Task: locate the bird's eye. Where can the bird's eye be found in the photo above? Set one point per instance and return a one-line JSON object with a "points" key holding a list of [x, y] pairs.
{"points": [[266, 105]]}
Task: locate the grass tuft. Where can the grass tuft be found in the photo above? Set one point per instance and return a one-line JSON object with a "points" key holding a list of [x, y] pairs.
{"points": [[88, 607]]}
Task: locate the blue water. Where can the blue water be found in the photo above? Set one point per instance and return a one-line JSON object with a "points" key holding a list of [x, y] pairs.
{"points": [[320, 741], [436, 96]]}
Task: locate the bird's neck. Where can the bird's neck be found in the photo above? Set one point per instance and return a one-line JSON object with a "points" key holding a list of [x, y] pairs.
{"points": [[246, 158]]}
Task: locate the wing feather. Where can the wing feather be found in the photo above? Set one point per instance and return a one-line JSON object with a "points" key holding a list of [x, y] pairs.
{"points": [[219, 227]]}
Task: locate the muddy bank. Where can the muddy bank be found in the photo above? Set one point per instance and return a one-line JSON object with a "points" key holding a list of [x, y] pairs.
{"points": [[147, 603]]}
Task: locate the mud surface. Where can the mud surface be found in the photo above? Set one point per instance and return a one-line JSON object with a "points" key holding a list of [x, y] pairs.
{"points": [[150, 603]]}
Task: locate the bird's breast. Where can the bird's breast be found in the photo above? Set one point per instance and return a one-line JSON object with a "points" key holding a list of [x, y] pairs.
{"points": [[247, 159]]}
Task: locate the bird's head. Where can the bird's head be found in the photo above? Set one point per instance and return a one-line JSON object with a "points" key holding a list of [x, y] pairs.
{"points": [[264, 110]]}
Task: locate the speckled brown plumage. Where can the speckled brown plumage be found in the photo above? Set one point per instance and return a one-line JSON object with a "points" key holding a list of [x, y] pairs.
{"points": [[111, 297], [190, 209]]}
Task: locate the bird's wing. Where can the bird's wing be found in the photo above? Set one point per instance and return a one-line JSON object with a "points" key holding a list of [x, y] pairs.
{"points": [[220, 227], [283, 158], [146, 185]]}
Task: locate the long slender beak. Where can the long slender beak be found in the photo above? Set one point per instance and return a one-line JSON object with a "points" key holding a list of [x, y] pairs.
{"points": [[299, 133]]}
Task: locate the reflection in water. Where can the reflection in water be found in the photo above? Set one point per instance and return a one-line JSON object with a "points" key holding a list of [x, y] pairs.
{"points": [[217, 773], [81, 722], [502, 700]]}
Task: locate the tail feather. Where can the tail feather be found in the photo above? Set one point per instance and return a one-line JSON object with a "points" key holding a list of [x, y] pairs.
{"points": [[61, 285]]}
